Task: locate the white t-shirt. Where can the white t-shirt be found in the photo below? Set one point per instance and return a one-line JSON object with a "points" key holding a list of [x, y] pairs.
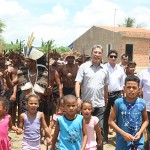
{"points": [[145, 86]]}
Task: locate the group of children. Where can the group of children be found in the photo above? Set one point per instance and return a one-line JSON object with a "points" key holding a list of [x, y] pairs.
{"points": [[74, 131]]}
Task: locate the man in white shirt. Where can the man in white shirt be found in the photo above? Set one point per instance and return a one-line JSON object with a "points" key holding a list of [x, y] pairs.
{"points": [[115, 86], [145, 91]]}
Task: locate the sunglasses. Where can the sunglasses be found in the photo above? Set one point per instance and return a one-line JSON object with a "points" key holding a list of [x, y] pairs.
{"points": [[113, 56]]}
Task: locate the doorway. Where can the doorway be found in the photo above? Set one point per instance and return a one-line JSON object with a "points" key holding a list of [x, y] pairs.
{"points": [[129, 51]]}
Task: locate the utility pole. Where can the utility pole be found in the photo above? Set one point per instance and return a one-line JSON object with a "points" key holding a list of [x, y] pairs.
{"points": [[115, 17]]}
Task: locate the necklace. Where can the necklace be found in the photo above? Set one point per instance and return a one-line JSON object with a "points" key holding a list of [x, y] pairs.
{"points": [[35, 79], [32, 74], [69, 70]]}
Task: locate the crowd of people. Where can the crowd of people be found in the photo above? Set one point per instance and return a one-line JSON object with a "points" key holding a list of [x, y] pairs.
{"points": [[84, 96]]}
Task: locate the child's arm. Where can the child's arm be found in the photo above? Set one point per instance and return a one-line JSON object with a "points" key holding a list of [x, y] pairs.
{"points": [[21, 124], [44, 125], [85, 136], [11, 126], [128, 137], [47, 139], [98, 133], [51, 125], [144, 125], [56, 132]]}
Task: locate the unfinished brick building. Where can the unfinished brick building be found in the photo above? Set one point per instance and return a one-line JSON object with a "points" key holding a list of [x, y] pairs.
{"points": [[135, 42]]}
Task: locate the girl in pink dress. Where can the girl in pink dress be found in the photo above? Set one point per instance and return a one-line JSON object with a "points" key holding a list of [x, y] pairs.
{"points": [[5, 124], [91, 126]]}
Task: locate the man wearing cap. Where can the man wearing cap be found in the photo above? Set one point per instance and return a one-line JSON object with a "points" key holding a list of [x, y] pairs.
{"points": [[68, 74]]}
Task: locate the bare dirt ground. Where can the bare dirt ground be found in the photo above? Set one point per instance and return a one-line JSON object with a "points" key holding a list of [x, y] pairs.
{"points": [[17, 139]]}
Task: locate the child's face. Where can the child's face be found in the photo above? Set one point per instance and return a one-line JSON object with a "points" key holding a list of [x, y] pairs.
{"points": [[70, 107], [131, 89], [130, 69], [2, 109], [32, 105], [86, 110]]}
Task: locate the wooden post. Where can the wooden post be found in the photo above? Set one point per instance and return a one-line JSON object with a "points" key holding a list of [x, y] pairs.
{"points": [[48, 94]]}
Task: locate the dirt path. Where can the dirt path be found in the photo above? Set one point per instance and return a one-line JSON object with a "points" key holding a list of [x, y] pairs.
{"points": [[16, 142]]}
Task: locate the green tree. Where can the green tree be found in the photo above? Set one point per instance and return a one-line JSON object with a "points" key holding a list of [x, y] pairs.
{"points": [[49, 45], [131, 23], [2, 26], [62, 49], [128, 22]]}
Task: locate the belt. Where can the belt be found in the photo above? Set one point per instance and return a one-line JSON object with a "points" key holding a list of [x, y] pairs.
{"points": [[114, 92]]}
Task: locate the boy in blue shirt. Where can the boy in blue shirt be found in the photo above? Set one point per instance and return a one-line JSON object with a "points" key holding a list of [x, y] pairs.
{"points": [[131, 117], [70, 128]]}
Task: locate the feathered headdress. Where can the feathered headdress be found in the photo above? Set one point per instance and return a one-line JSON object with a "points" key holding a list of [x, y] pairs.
{"points": [[30, 51], [76, 54]]}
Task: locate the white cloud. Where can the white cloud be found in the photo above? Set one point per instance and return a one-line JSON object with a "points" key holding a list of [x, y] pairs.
{"points": [[58, 15], [106, 13], [141, 15], [59, 25], [98, 12]]}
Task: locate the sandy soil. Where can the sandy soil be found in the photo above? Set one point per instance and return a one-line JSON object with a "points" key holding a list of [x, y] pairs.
{"points": [[16, 142]]}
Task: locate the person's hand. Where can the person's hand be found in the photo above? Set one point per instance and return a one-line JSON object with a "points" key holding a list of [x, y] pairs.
{"points": [[13, 98], [99, 142], [79, 101], [47, 141], [7, 73], [128, 137], [19, 131], [137, 136], [49, 89]]}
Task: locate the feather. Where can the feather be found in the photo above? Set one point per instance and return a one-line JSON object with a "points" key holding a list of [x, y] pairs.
{"points": [[29, 51], [29, 45]]}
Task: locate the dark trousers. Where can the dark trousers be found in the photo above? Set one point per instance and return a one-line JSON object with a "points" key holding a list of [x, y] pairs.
{"points": [[67, 91], [111, 99], [99, 112], [147, 143]]}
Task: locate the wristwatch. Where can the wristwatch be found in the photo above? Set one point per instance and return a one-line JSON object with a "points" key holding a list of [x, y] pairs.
{"points": [[77, 97]]}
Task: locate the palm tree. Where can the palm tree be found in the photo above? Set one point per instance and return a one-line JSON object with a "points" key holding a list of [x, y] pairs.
{"points": [[17, 46], [49, 45], [131, 23]]}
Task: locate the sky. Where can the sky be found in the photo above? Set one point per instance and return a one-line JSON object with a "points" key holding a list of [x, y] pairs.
{"points": [[65, 20]]}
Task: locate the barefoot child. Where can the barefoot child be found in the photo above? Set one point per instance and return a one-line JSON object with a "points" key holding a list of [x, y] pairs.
{"points": [[91, 125], [70, 127], [31, 121], [131, 117], [5, 123]]}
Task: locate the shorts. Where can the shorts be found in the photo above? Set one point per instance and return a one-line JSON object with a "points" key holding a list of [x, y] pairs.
{"points": [[91, 148], [31, 145]]}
